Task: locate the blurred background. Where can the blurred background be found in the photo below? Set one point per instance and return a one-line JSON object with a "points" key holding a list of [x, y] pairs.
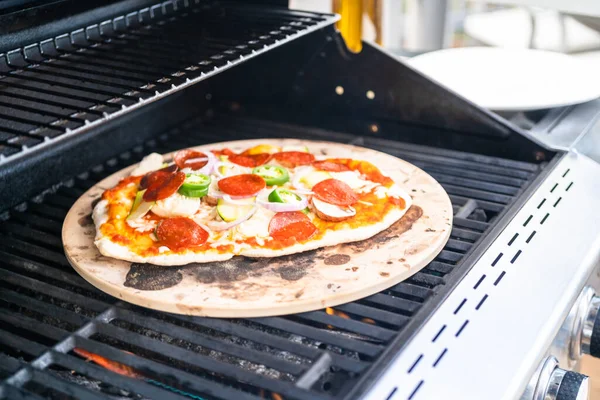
{"points": [[410, 27], [542, 54]]}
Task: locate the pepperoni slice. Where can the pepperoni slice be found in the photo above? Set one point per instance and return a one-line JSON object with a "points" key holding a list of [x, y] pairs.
{"points": [[251, 161], [336, 192], [153, 176], [180, 232], [223, 152], [164, 186], [292, 159], [190, 159], [330, 166], [292, 224], [243, 185]]}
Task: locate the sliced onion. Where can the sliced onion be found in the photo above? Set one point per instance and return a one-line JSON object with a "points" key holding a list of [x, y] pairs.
{"points": [[210, 163], [205, 227], [238, 169], [222, 226], [302, 191], [298, 174], [282, 207], [236, 200], [217, 194]]}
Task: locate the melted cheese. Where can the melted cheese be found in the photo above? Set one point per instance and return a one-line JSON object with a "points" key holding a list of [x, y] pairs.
{"points": [[142, 224], [355, 181], [227, 168], [205, 214], [381, 192], [100, 215], [151, 162], [396, 191], [332, 210], [257, 226], [176, 205]]}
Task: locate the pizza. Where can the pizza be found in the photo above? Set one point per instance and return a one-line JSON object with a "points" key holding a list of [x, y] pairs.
{"points": [[264, 201]]}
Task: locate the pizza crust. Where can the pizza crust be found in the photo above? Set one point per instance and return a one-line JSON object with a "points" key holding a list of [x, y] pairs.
{"points": [[110, 249], [330, 238]]}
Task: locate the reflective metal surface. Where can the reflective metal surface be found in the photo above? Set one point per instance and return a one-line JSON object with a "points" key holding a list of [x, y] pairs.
{"points": [[551, 390], [588, 324], [567, 344], [499, 330], [542, 380]]}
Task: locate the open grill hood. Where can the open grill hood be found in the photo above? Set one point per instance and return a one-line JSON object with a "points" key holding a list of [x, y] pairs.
{"points": [[76, 93]]}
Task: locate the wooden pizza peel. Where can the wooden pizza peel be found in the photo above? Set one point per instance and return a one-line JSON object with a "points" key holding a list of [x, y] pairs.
{"points": [[256, 287]]}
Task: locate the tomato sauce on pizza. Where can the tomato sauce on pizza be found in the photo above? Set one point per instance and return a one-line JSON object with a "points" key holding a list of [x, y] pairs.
{"points": [[261, 201]]}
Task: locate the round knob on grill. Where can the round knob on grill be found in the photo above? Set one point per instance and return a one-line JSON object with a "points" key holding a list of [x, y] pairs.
{"points": [[590, 332], [554, 383], [567, 385]]}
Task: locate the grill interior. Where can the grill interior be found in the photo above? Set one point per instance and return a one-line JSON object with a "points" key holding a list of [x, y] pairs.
{"points": [[77, 80], [48, 311]]}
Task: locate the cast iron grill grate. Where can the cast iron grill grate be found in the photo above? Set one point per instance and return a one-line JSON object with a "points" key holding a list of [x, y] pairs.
{"points": [[50, 317], [76, 80]]}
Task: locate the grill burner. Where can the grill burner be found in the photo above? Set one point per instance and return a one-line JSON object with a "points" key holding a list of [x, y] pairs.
{"points": [[47, 310]]}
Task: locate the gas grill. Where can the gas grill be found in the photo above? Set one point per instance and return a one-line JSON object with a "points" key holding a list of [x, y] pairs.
{"points": [[503, 311]]}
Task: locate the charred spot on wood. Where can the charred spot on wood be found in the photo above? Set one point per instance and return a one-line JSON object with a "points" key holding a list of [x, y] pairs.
{"points": [[299, 293], [404, 224], [95, 202], [329, 285], [389, 262], [186, 309], [296, 266], [337, 259], [85, 221], [292, 273], [384, 274], [234, 270], [354, 269], [430, 230], [152, 277]]}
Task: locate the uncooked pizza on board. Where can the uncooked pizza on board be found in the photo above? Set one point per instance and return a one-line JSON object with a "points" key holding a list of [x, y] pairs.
{"points": [[264, 201]]}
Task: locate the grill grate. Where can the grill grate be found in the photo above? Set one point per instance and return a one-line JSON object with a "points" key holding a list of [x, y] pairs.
{"points": [[66, 84], [47, 311]]}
